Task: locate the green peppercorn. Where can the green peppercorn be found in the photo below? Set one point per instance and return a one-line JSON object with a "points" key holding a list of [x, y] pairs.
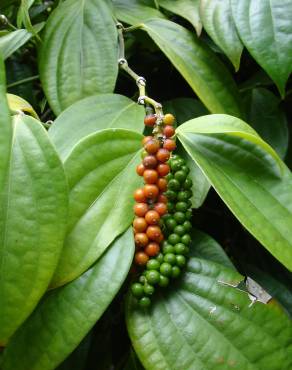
{"points": [[188, 215], [183, 195], [179, 217], [180, 248], [137, 290], [173, 239], [159, 257], [152, 276], [153, 264], [180, 176], [168, 248], [173, 184], [170, 206], [175, 272], [179, 230], [188, 183], [170, 194], [165, 269], [181, 206], [144, 302], [170, 258], [187, 226], [186, 239], [180, 260], [170, 223], [185, 169], [148, 289]]}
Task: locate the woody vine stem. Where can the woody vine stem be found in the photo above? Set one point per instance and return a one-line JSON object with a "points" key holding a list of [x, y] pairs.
{"points": [[140, 81]]}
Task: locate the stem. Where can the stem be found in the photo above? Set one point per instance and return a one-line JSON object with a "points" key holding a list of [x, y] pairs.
{"points": [[140, 81], [23, 81]]}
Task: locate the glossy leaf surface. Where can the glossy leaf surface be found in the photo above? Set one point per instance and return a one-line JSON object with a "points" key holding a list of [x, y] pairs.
{"points": [[200, 67], [265, 28], [248, 175], [92, 114], [102, 179], [201, 323], [78, 56], [65, 315], [12, 41], [218, 22], [33, 222]]}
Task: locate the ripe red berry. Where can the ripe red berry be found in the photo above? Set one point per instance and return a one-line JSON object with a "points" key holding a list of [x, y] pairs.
{"points": [[154, 233], [150, 120], [141, 258], [141, 240], [163, 169], [168, 131], [151, 191], [152, 217], [168, 119], [152, 249], [140, 224], [169, 144], [145, 139], [152, 146], [150, 176], [139, 195], [149, 161], [163, 155], [141, 209], [161, 208], [162, 199], [162, 184], [140, 169]]}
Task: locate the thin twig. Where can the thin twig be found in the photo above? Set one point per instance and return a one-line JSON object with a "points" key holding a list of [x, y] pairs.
{"points": [[23, 81]]}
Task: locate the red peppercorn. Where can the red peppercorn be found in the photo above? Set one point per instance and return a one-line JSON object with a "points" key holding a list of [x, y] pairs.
{"points": [[145, 139], [140, 169], [160, 208], [149, 161], [163, 169], [162, 199], [152, 146], [150, 176], [151, 191], [152, 217], [141, 209], [154, 233], [140, 224], [152, 249], [162, 184], [163, 155], [150, 120], [141, 258], [139, 195], [169, 144], [168, 131], [141, 240]]}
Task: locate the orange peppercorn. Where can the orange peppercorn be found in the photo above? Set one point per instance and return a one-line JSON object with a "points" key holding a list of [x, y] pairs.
{"points": [[162, 184], [141, 240], [150, 176], [152, 217], [139, 195], [152, 249], [168, 131], [141, 258], [162, 155], [169, 144], [161, 208], [163, 169], [140, 224], [141, 209], [152, 146], [150, 120], [151, 191], [154, 233]]}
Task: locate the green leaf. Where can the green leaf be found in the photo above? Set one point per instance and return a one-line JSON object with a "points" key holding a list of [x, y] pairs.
{"points": [[266, 30], [5, 128], [78, 56], [33, 222], [207, 76], [65, 315], [268, 119], [202, 323], [134, 11], [102, 179], [12, 41], [23, 17], [248, 175], [217, 20], [91, 115], [188, 9], [203, 246]]}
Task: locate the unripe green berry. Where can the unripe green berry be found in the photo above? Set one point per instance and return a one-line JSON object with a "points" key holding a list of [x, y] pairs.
{"points": [[180, 260], [165, 269], [153, 264], [137, 290], [144, 302], [164, 281], [179, 230], [148, 289], [170, 258], [175, 272], [173, 239], [152, 276]]}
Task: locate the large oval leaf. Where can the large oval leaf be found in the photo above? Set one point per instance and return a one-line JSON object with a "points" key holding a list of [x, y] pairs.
{"points": [[32, 222], [265, 28], [217, 20], [12, 41], [66, 314], [5, 128], [268, 119], [188, 9], [248, 175], [207, 76], [201, 323], [78, 56], [102, 178], [93, 114], [134, 11]]}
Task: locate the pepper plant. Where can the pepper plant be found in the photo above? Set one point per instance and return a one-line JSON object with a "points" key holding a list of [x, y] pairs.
{"points": [[213, 285]]}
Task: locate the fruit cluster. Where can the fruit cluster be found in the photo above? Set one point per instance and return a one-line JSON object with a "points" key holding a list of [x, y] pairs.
{"points": [[162, 212]]}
